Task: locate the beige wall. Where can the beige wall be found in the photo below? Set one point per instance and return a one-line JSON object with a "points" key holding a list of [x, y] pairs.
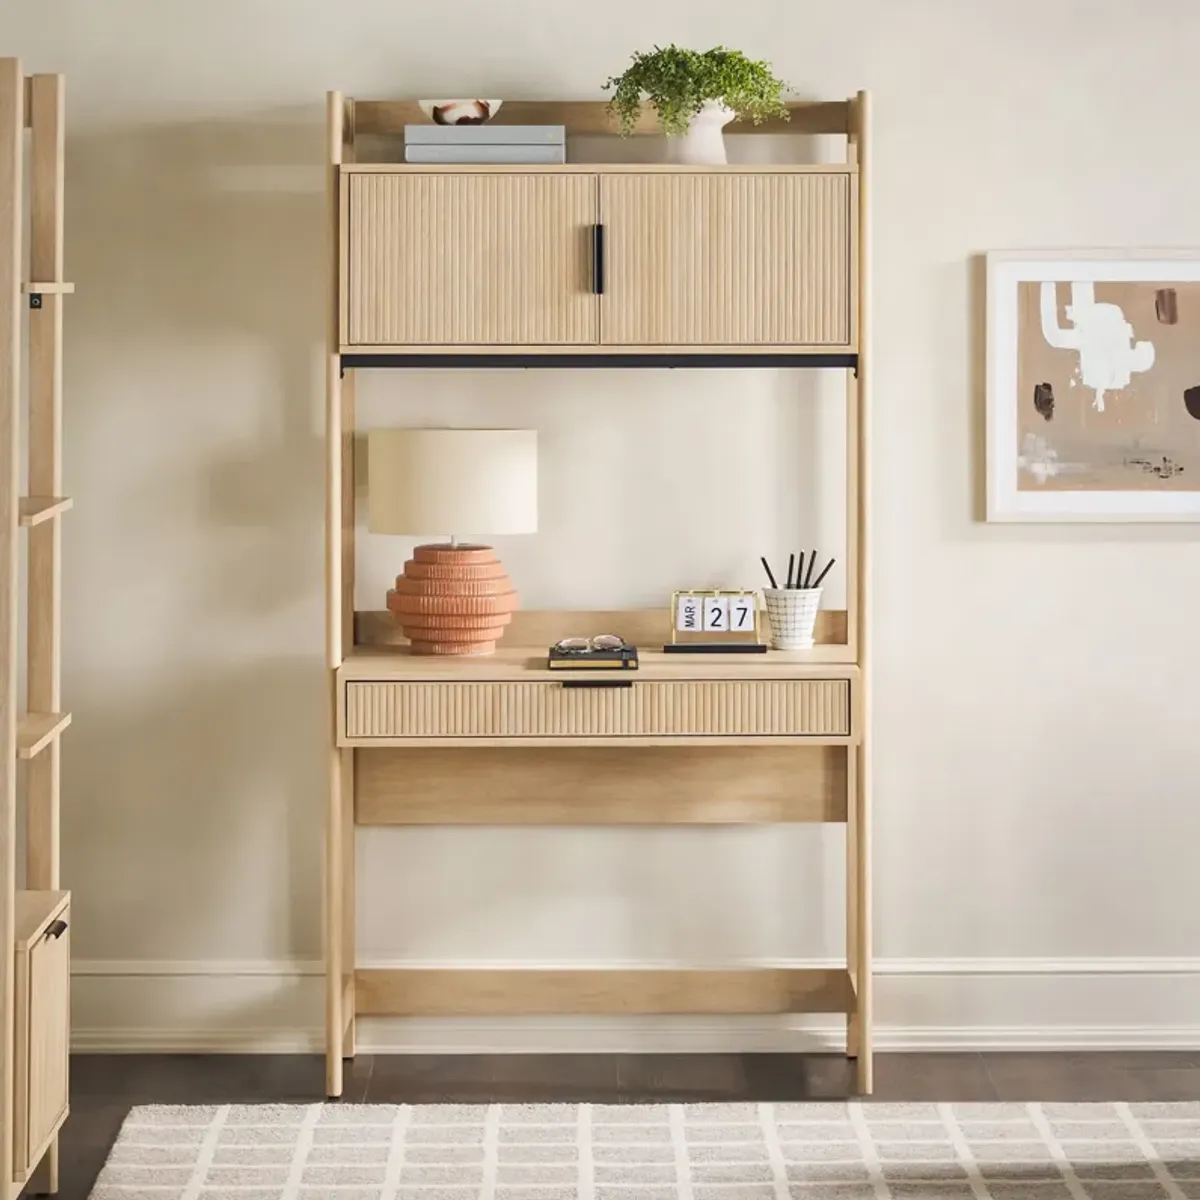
{"points": [[1037, 689]]}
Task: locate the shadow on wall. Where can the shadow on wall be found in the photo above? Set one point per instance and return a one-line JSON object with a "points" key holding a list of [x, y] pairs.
{"points": [[193, 596]]}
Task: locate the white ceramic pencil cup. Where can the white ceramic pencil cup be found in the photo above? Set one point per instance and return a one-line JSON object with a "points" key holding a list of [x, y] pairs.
{"points": [[793, 616]]}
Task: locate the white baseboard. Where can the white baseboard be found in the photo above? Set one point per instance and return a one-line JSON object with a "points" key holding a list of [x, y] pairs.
{"points": [[293, 967], [275, 1006], [197, 1041], [581, 1039]]}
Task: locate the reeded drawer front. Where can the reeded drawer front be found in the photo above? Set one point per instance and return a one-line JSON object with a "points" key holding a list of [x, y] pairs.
{"points": [[766, 708]]}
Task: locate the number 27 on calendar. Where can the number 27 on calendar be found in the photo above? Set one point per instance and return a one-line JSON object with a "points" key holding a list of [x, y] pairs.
{"points": [[715, 616]]}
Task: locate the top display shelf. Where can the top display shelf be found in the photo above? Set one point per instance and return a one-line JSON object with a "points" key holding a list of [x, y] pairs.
{"points": [[591, 117]]}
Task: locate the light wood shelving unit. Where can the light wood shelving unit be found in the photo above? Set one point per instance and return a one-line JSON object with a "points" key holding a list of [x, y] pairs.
{"points": [[35, 960], [775, 274]]}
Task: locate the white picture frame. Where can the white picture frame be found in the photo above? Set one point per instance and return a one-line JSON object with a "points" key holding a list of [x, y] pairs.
{"points": [[1006, 271]]}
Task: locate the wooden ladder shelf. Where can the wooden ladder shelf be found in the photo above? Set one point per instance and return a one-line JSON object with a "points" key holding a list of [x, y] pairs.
{"points": [[35, 956]]}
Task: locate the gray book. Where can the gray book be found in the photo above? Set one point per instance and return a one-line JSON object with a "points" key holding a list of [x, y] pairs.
{"points": [[485, 135], [485, 154]]}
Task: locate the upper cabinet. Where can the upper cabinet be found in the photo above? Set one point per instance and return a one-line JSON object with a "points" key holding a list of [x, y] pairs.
{"points": [[591, 258], [465, 259], [730, 260]]}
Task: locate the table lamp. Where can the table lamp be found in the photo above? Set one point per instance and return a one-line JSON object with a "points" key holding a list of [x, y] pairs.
{"points": [[454, 597]]}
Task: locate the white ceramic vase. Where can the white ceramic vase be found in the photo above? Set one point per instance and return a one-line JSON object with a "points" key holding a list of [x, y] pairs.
{"points": [[704, 142]]}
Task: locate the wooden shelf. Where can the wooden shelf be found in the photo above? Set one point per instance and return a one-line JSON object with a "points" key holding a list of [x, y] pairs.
{"points": [[48, 289], [34, 912], [35, 731], [434, 992], [646, 628], [36, 509], [589, 117], [511, 663]]}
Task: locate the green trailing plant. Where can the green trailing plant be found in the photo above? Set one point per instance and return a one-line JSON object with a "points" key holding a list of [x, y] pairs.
{"points": [[680, 82]]}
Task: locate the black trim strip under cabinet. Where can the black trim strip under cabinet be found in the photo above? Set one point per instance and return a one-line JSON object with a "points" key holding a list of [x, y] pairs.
{"points": [[732, 359]]}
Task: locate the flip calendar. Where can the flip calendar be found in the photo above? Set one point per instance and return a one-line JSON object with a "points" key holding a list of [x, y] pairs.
{"points": [[717, 617]]}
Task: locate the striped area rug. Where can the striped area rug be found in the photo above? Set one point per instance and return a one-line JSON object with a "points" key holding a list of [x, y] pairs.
{"points": [[851, 1151]]}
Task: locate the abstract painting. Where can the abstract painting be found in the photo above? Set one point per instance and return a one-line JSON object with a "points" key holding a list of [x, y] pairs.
{"points": [[1093, 393]]}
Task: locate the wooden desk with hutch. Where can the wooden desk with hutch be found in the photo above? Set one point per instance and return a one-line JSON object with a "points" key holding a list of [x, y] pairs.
{"points": [[775, 277]]}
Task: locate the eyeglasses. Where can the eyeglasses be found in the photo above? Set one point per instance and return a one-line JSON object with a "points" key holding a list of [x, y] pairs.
{"points": [[583, 645]]}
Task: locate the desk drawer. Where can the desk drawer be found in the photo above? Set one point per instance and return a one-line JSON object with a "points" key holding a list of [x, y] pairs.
{"points": [[702, 708]]}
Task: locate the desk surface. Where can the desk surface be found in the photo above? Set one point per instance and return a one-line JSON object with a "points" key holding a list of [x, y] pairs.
{"points": [[511, 663]]}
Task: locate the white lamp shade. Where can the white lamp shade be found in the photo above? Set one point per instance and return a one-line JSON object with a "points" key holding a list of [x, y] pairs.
{"points": [[459, 482]]}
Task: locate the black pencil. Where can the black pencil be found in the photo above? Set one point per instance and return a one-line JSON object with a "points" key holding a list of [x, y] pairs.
{"points": [[769, 575], [824, 572], [812, 562], [791, 564]]}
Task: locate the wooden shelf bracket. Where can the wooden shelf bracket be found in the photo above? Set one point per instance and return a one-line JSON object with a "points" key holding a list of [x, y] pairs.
{"points": [[36, 731], [36, 509]]}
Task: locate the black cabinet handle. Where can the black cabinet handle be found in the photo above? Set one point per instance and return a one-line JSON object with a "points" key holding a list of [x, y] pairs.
{"points": [[56, 929], [598, 259], [597, 683]]}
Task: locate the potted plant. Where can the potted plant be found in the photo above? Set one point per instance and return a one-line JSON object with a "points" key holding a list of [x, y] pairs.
{"points": [[696, 94]]}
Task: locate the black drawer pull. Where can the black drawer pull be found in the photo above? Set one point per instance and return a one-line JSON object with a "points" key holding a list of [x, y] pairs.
{"points": [[598, 259], [56, 928], [597, 683]]}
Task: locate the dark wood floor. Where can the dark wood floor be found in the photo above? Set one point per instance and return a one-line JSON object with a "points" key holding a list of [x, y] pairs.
{"points": [[104, 1087]]}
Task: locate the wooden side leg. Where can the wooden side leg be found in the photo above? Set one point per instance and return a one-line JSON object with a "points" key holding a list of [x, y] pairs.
{"points": [[12, 158], [349, 1009], [44, 1180], [853, 1024], [860, 1031], [47, 95], [335, 961]]}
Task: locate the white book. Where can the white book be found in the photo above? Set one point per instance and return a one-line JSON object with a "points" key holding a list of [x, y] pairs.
{"points": [[485, 135], [485, 154]]}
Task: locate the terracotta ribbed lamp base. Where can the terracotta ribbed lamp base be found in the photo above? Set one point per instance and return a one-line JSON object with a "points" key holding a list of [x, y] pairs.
{"points": [[453, 600]]}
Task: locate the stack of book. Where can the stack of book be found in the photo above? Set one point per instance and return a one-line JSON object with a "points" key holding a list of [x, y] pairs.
{"points": [[485, 144]]}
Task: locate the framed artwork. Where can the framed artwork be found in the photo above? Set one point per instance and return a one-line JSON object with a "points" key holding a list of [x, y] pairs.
{"points": [[1093, 386]]}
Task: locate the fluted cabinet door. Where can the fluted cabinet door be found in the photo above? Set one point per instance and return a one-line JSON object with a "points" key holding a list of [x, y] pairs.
{"points": [[460, 259], [727, 259]]}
